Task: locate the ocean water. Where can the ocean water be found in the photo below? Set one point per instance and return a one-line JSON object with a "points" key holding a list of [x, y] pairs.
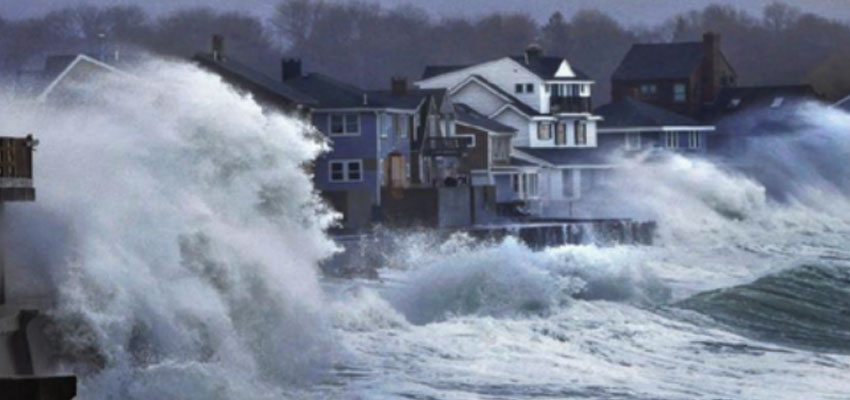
{"points": [[178, 229]]}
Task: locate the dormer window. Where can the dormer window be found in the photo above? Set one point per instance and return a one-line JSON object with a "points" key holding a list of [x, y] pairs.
{"points": [[777, 102]]}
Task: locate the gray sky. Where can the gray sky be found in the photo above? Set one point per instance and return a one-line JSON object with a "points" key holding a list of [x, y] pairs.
{"points": [[630, 12]]}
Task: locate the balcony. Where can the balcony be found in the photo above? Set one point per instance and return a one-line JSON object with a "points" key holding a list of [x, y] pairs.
{"points": [[16, 169], [454, 146], [571, 104]]}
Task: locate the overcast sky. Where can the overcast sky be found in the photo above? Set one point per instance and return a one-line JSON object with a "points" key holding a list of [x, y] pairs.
{"points": [[630, 12]]}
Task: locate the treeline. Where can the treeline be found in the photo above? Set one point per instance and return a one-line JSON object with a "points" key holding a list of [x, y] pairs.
{"points": [[366, 44]]}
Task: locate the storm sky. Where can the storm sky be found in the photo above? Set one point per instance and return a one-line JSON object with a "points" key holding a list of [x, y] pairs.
{"points": [[630, 12]]}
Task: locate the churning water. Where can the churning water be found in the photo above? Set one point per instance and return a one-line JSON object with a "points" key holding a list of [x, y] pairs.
{"points": [[177, 222]]}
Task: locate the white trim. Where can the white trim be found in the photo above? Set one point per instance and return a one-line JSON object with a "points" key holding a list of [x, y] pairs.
{"points": [[345, 171], [69, 68], [345, 123], [505, 107], [529, 158], [839, 103]]}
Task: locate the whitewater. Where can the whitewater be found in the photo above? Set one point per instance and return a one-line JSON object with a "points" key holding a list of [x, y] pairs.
{"points": [[178, 230]]}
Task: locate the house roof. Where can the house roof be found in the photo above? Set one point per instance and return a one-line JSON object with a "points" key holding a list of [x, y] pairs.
{"points": [[331, 93], [732, 100], [660, 61], [468, 115], [629, 113], [232, 69], [518, 162], [542, 66], [408, 101], [511, 99], [545, 67], [569, 156]]}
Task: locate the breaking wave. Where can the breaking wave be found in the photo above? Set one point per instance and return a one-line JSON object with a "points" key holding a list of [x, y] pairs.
{"points": [[189, 235]]}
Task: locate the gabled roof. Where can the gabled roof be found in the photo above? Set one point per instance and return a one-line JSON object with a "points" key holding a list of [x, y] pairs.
{"points": [[660, 61], [732, 100], [544, 67], [60, 65], [232, 69], [467, 115], [631, 113], [569, 156], [509, 98]]}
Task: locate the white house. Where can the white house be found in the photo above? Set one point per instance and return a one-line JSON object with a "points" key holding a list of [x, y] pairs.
{"points": [[545, 99]]}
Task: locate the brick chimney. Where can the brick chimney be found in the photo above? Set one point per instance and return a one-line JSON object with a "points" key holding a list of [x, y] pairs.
{"points": [[218, 47], [290, 68], [533, 52], [711, 52], [399, 86]]}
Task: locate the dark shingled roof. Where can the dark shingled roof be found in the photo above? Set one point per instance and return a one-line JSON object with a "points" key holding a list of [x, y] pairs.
{"points": [[737, 99], [332, 93], [660, 61], [546, 67], [408, 101], [469, 116], [542, 66], [232, 69], [518, 162], [629, 112], [570, 156]]}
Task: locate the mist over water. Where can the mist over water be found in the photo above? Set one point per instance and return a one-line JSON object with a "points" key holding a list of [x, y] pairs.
{"points": [[179, 229]]}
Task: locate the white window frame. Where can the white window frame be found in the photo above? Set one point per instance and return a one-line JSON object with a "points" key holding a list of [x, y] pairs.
{"points": [[346, 178], [345, 131], [549, 127], [671, 140], [634, 144], [694, 140]]}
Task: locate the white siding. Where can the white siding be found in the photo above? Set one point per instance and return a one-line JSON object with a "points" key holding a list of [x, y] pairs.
{"points": [[518, 121], [504, 73], [479, 98]]}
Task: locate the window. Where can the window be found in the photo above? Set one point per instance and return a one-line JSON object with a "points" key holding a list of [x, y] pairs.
{"points": [[777, 102], [544, 131], [515, 183], [581, 133], [533, 185], [679, 93], [633, 141], [648, 90], [397, 124], [671, 140], [346, 171], [694, 140], [561, 134], [519, 88], [501, 148], [529, 88], [345, 124]]}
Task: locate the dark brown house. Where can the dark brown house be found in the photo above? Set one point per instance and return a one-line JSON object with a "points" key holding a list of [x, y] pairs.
{"points": [[680, 77]]}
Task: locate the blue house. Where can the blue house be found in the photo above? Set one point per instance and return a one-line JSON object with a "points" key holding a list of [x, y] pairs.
{"points": [[371, 135]]}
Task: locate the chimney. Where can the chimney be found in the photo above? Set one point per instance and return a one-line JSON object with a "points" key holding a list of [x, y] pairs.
{"points": [[290, 68], [711, 52], [399, 86], [533, 52], [218, 47]]}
